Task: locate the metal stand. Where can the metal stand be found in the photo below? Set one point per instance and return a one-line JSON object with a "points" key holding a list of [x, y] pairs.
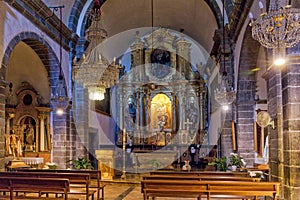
{"points": [[124, 155]]}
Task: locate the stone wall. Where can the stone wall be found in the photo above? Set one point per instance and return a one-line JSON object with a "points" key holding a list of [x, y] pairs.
{"points": [[245, 98], [2, 124]]}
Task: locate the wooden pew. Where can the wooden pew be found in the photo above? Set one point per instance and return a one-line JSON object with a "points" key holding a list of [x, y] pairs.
{"points": [[13, 185], [166, 188], [95, 176], [200, 173], [200, 178], [215, 189], [79, 179]]}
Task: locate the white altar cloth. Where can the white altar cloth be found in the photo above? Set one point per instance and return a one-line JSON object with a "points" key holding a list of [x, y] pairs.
{"points": [[28, 160]]}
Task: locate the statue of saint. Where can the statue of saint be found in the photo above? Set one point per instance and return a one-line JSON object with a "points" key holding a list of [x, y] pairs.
{"points": [[29, 133], [132, 111], [162, 121], [13, 145], [192, 114], [130, 115]]}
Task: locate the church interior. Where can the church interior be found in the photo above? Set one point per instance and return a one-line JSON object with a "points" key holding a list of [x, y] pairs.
{"points": [[148, 91]]}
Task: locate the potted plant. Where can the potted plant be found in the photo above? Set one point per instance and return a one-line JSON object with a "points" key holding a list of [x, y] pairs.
{"points": [[51, 165], [235, 161], [81, 163], [220, 163]]}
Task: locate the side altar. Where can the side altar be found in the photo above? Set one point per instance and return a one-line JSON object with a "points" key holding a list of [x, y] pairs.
{"points": [[28, 137]]}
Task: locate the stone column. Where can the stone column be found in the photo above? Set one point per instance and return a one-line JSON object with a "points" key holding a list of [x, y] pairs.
{"points": [[138, 57], [274, 87], [2, 123], [42, 118], [183, 56], [8, 119], [290, 80]]}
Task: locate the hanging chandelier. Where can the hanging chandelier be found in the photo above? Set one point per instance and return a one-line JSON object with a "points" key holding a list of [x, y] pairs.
{"points": [[95, 72], [225, 95], [279, 28], [59, 99]]}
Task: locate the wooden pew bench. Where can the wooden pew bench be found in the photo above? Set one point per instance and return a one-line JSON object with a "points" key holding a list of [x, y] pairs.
{"points": [[200, 173], [166, 188], [208, 189], [199, 178], [82, 180], [14, 185], [95, 176]]}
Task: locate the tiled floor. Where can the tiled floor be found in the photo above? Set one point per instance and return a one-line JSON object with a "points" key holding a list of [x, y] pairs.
{"points": [[129, 189], [117, 191], [125, 191]]}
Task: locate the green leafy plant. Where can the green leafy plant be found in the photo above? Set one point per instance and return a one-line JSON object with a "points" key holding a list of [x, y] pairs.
{"points": [[81, 163], [236, 160], [51, 165], [220, 163]]}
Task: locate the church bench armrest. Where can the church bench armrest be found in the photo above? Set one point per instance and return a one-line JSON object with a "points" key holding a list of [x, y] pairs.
{"points": [[34, 197]]}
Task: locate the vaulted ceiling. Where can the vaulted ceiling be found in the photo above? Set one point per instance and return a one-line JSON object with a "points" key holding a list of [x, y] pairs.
{"points": [[194, 16]]}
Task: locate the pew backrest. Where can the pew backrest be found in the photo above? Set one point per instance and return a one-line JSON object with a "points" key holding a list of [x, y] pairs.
{"points": [[209, 188], [35, 185], [201, 177]]}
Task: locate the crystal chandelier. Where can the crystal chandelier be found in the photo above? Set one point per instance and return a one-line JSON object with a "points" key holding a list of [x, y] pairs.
{"points": [[225, 95], [279, 28], [95, 72], [60, 101]]}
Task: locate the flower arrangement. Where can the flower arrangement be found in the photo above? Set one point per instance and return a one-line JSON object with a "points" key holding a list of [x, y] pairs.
{"points": [[256, 174], [50, 165], [236, 160]]}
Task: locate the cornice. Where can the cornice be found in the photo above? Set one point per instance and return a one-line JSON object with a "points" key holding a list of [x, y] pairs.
{"points": [[36, 11]]}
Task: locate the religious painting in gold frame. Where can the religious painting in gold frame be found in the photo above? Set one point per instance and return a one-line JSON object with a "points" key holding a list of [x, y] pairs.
{"points": [[161, 114]]}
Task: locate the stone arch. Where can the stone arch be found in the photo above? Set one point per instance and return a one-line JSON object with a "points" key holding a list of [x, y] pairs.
{"points": [[246, 89], [216, 11], [75, 13], [43, 50]]}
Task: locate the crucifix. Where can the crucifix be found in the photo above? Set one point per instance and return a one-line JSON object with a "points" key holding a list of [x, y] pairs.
{"points": [[187, 164]]}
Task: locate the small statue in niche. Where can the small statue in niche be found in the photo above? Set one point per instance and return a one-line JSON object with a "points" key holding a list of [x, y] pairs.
{"points": [[130, 117], [132, 111], [192, 114], [29, 133], [162, 120]]}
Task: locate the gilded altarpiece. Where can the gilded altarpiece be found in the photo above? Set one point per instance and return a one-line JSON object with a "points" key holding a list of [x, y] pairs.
{"points": [[30, 120], [163, 99]]}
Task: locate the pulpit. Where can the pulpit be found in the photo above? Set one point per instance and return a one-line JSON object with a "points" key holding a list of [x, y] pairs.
{"points": [[106, 163]]}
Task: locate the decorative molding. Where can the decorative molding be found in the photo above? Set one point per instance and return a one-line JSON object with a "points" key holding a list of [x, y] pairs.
{"points": [[36, 12]]}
